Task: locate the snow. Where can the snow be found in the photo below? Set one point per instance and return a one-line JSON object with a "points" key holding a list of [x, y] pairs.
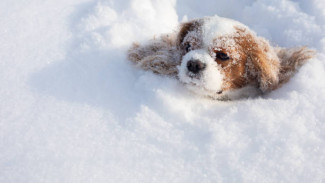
{"points": [[217, 26], [73, 109]]}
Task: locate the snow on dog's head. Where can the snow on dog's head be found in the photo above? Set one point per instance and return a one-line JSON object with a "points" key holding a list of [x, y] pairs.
{"points": [[220, 56]]}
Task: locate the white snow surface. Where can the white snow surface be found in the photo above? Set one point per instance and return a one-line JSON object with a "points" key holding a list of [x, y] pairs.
{"points": [[73, 109]]}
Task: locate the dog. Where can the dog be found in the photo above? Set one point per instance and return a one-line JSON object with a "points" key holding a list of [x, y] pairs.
{"points": [[220, 58]]}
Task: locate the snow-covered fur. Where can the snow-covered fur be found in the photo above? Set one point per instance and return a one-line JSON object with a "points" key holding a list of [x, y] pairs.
{"points": [[220, 58], [159, 55]]}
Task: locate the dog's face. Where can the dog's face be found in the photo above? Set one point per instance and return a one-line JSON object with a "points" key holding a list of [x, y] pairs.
{"points": [[222, 57]]}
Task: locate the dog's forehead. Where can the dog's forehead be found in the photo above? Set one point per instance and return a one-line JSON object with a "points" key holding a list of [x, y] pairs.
{"points": [[214, 27]]}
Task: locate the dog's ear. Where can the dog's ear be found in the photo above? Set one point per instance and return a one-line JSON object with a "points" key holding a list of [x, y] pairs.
{"points": [[159, 55], [263, 64], [291, 60]]}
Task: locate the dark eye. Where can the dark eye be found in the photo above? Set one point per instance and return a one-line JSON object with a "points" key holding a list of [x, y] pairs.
{"points": [[222, 56], [187, 47]]}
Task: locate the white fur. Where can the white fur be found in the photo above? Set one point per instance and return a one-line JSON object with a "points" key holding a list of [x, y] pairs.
{"points": [[210, 81], [207, 82]]}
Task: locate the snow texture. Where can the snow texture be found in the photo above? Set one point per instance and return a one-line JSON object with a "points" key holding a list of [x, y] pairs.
{"points": [[218, 26], [73, 109]]}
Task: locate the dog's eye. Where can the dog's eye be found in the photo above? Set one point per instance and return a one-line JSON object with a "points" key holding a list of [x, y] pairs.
{"points": [[222, 56], [187, 47]]}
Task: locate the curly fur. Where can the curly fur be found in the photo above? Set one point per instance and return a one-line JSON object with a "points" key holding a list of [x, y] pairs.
{"points": [[291, 60], [160, 55]]}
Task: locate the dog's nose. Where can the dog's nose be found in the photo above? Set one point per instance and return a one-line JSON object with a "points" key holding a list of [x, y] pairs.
{"points": [[195, 66]]}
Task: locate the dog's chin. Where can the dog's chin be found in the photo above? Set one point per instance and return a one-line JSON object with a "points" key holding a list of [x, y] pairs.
{"points": [[198, 84], [202, 87]]}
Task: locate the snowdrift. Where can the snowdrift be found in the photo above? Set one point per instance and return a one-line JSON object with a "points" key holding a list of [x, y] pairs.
{"points": [[73, 109]]}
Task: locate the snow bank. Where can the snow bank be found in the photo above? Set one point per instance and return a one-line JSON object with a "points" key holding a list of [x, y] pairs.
{"points": [[74, 110]]}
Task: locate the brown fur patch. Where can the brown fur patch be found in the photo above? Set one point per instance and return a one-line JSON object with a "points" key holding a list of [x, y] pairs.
{"points": [[234, 70], [253, 64], [185, 28], [262, 62], [291, 60]]}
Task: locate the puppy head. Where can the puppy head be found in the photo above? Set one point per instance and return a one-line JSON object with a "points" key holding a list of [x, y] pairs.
{"points": [[222, 57]]}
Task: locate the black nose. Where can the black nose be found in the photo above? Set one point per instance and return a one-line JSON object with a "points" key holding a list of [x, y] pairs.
{"points": [[195, 66]]}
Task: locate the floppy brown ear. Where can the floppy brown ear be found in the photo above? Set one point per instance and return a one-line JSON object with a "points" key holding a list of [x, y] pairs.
{"points": [[159, 55], [264, 64], [291, 60]]}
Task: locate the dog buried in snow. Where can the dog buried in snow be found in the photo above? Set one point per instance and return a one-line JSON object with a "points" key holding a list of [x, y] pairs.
{"points": [[220, 58]]}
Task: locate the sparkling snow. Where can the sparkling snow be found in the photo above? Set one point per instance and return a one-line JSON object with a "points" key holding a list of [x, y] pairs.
{"points": [[73, 109]]}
